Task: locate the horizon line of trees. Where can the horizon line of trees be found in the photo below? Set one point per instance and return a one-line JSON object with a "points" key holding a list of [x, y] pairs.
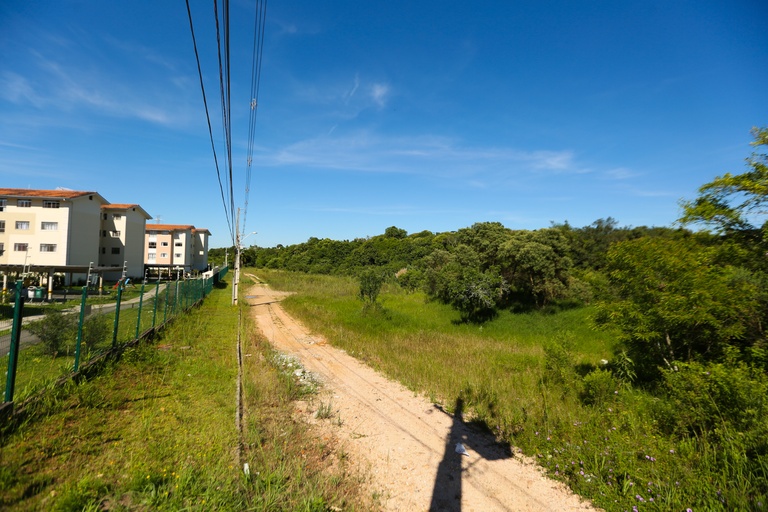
{"points": [[673, 294]]}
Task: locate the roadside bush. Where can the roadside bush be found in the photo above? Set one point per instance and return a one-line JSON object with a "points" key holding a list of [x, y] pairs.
{"points": [[599, 387], [371, 281], [558, 359], [715, 398], [54, 330], [96, 329]]}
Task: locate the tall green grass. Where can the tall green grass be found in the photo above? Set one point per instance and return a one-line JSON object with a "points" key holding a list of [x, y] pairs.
{"points": [[538, 381], [155, 430]]}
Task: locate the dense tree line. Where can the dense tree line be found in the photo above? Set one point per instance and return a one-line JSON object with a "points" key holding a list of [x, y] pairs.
{"points": [[674, 294]]}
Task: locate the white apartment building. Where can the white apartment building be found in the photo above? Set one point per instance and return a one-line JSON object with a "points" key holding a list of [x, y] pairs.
{"points": [[49, 231], [176, 248], [49, 227], [122, 238]]}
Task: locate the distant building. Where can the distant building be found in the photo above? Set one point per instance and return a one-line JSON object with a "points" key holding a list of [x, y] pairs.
{"points": [[175, 248], [122, 238], [67, 231], [49, 227]]}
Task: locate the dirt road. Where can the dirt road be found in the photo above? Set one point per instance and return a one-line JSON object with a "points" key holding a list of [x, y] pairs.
{"points": [[406, 448]]}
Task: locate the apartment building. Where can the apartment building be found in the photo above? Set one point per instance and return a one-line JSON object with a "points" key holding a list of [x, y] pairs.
{"points": [[49, 227], [176, 248], [122, 238], [66, 231]]}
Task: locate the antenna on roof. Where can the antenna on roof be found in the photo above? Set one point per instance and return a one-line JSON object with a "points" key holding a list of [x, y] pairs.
{"points": [[157, 219]]}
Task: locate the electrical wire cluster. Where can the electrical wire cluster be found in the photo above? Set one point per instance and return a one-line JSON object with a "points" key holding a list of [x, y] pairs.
{"points": [[222, 21]]}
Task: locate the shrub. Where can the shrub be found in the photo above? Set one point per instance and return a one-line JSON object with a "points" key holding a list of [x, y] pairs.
{"points": [[599, 387], [54, 329], [96, 329], [716, 398], [558, 359], [371, 281]]}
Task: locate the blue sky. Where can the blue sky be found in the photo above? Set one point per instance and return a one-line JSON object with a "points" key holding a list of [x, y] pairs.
{"points": [[424, 115]]}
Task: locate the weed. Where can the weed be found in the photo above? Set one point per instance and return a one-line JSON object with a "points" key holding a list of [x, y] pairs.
{"points": [[324, 411]]}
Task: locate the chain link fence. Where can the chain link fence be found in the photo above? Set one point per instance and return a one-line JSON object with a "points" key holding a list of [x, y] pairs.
{"points": [[56, 342]]}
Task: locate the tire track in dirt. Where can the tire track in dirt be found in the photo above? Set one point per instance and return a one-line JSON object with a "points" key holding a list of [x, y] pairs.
{"points": [[402, 445]]}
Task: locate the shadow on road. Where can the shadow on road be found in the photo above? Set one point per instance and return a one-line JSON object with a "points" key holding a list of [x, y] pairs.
{"points": [[446, 493]]}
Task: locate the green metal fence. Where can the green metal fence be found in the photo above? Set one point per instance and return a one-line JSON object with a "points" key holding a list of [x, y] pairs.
{"points": [[40, 350]]}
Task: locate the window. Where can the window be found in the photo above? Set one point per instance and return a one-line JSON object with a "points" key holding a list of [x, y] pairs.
{"points": [[103, 250], [163, 254], [201, 253], [177, 255], [178, 244], [47, 247], [114, 234], [49, 226], [2, 204], [153, 245], [151, 256], [2, 226], [50, 204], [164, 244], [115, 250], [22, 224], [104, 216], [117, 216], [103, 233], [24, 203], [2, 248], [21, 247]]}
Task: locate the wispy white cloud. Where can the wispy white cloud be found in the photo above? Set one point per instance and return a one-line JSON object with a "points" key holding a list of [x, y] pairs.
{"points": [[379, 94], [17, 89], [51, 86], [435, 156], [621, 173], [387, 210]]}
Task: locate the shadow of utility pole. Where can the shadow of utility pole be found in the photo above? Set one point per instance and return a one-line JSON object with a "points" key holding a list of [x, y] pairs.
{"points": [[446, 493]]}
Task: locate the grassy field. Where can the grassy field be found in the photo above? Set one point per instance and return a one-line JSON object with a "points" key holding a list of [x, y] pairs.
{"points": [[156, 430], [538, 381]]}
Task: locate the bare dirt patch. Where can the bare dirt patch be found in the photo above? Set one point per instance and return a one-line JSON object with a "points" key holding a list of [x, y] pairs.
{"points": [[403, 446]]}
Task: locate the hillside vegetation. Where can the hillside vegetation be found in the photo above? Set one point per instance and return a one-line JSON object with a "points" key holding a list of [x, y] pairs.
{"points": [[665, 408]]}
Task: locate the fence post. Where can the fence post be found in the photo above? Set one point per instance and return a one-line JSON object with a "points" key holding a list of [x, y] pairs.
{"points": [[80, 327], [13, 355], [175, 299], [138, 319], [117, 315], [167, 298], [157, 294]]}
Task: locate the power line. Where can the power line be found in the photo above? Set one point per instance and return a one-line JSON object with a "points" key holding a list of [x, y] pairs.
{"points": [[258, 50], [208, 118], [224, 87]]}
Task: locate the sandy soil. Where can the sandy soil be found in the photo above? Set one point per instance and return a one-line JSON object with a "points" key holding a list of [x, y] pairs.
{"points": [[404, 446]]}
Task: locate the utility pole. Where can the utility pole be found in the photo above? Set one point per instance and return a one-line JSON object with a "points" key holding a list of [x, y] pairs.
{"points": [[236, 278]]}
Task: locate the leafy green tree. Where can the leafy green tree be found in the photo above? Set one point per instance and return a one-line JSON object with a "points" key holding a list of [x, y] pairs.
{"points": [[731, 202], [395, 232], [676, 302], [537, 265], [457, 279]]}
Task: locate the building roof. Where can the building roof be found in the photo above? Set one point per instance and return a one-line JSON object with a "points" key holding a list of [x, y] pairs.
{"points": [[125, 207], [201, 230], [48, 194], [169, 227]]}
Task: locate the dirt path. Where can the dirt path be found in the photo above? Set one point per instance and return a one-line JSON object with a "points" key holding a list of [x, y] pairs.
{"points": [[405, 445]]}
